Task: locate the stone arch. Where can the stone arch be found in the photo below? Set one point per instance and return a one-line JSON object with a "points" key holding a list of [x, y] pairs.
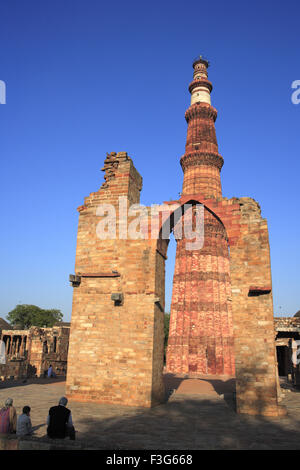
{"points": [[201, 327], [194, 200]]}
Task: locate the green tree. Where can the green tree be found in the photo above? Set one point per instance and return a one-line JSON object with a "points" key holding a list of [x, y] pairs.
{"points": [[24, 316]]}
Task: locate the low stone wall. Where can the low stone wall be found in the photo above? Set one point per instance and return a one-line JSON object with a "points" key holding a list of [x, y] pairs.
{"points": [[12, 442], [14, 369], [287, 323]]}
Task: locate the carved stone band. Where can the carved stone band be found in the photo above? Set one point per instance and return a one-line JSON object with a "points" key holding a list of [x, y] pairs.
{"points": [[201, 158], [200, 82], [202, 111]]}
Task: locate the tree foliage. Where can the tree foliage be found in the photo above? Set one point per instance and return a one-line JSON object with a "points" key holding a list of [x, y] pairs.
{"points": [[24, 316]]}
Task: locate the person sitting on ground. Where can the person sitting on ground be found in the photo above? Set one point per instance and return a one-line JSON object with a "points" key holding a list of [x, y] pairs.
{"points": [[59, 421], [24, 427], [50, 370], [8, 418]]}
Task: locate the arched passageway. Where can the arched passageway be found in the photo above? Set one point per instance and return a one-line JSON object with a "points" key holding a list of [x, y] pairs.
{"points": [[201, 331]]}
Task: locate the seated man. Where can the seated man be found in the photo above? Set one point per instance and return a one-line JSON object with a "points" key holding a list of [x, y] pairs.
{"points": [[24, 427], [50, 372], [8, 418], [59, 421]]}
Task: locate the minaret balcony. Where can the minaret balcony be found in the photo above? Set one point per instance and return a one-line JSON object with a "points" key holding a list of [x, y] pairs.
{"points": [[200, 82]]}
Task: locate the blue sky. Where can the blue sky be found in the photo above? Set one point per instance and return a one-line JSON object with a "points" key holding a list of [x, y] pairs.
{"points": [[88, 77]]}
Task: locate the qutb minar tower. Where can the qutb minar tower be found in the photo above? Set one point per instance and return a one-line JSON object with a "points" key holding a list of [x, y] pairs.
{"points": [[201, 330]]}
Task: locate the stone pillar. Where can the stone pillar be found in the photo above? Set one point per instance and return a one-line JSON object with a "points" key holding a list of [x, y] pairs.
{"points": [[22, 346], [7, 345], [116, 338], [253, 320], [13, 345], [19, 346]]}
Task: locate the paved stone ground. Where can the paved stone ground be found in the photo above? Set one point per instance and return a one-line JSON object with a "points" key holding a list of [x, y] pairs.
{"points": [[199, 414]]}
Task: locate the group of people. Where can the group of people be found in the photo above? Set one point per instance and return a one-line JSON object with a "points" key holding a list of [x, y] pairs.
{"points": [[59, 421]]}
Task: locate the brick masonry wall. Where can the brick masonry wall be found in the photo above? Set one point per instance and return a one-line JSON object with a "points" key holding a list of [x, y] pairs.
{"points": [[256, 364], [116, 351], [15, 369]]}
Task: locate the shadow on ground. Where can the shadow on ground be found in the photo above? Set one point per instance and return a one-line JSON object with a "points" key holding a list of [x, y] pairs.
{"points": [[189, 423], [38, 426], [23, 382], [202, 421]]}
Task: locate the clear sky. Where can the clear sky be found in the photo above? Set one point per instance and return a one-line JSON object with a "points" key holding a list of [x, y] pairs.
{"points": [[86, 77]]}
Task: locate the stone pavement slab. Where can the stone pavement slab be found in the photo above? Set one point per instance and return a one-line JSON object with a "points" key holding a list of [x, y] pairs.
{"points": [[193, 420]]}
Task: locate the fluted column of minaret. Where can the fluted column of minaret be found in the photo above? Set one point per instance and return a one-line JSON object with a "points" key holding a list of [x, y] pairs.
{"points": [[201, 331]]}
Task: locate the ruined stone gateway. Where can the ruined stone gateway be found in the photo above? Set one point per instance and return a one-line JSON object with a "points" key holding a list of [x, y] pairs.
{"points": [[222, 309]]}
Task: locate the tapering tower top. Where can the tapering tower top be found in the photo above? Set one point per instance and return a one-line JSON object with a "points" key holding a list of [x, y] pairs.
{"points": [[201, 60], [200, 88], [201, 162]]}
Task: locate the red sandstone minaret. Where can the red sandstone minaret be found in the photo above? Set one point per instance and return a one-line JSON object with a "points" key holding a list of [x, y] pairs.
{"points": [[201, 332]]}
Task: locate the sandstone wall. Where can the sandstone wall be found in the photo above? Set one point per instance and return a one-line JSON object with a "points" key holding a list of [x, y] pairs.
{"points": [[252, 304], [116, 350]]}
